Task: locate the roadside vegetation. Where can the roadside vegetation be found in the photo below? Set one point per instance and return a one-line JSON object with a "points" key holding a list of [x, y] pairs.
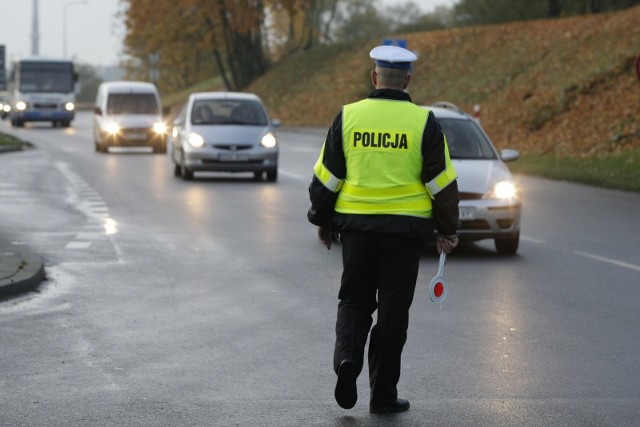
{"points": [[561, 91], [10, 142], [620, 171], [554, 79]]}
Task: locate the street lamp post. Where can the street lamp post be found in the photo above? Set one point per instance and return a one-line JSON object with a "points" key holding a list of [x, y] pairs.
{"points": [[64, 24]]}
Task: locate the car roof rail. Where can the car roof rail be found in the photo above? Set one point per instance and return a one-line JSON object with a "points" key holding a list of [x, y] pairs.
{"points": [[449, 106]]}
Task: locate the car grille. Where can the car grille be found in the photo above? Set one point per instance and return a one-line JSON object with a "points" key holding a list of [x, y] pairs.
{"points": [[232, 146]]}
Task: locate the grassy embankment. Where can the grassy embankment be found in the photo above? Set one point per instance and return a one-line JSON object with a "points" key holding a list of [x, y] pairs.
{"points": [[563, 92]]}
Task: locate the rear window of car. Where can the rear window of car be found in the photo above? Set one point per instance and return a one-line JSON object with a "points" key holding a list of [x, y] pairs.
{"points": [[466, 140], [132, 103], [228, 112]]}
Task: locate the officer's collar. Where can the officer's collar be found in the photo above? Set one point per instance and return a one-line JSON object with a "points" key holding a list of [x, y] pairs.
{"points": [[394, 94]]}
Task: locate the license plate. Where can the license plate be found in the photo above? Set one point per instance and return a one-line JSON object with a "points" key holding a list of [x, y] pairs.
{"points": [[136, 135], [233, 157], [467, 213]]}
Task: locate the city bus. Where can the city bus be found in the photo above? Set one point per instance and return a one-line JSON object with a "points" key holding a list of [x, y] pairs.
{"points": [[42, 90]]}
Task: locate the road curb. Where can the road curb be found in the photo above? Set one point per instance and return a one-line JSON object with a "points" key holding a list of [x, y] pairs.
{"points": [[20, 272]]}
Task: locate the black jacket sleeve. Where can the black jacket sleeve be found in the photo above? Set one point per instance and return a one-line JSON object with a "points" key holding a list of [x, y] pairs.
{"points": [[445, 205], [322, 199]]}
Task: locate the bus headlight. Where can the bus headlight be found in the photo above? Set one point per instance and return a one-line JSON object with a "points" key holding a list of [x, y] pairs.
{"points": [[160, 128], [21, 105], [69, 106]]}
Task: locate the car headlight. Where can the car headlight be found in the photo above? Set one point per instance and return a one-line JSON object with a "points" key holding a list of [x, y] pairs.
{"points": [[196, 140], [502, 190], [112, 128], [21, 105], [6, 108], [268, 140], [69, 106], [160, 128]]}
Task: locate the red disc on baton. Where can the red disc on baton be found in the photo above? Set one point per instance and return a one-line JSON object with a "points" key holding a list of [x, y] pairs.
{"points": [[438, 286], [438, 289]]}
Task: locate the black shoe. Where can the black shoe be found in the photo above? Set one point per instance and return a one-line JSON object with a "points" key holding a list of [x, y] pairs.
{"points": [[346, 390], [400, 405]]}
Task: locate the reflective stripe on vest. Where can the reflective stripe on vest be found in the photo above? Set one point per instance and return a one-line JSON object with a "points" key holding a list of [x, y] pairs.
{"points": [[384, 164], [445, 177], [324, 175]]}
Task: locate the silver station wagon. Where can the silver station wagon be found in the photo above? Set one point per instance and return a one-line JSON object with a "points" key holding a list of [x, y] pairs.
{"points": [[489, 204], [224, 132]]}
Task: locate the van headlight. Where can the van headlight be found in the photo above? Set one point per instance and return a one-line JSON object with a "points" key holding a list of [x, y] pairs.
{"points": [[502, 190], [160, 128], [196, 140], [69, 106], [21, 105], [112, 128], [268, 140]]}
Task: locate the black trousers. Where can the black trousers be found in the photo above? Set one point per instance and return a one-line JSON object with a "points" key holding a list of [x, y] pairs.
{"points": [[380, 272]]}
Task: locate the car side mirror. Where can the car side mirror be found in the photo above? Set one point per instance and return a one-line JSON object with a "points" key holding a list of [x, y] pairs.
{"points": [[509, 155], [276, 123]]}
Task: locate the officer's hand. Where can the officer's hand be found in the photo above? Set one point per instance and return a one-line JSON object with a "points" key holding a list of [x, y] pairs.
{"points": [[325, 234], [446, 243]]}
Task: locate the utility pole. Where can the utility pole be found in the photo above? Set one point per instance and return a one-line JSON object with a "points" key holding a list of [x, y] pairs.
{"points": [[64, 24], [35, 31]]}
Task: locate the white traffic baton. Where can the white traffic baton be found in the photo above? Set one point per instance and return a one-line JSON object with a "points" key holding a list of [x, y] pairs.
{"points": [[438, 286]]}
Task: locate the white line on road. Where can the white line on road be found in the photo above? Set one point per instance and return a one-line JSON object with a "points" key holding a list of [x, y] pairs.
{"points": [[291, 175], [78, 245], [532, 240], [609, 260]]}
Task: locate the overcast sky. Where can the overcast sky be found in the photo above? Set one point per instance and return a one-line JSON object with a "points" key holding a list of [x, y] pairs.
{"points": [[93, 33]]}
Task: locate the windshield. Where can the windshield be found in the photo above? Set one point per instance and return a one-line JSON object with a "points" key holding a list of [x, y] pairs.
{"points": [[466, 140], [132, 103], [46, 77], [228, 112]]}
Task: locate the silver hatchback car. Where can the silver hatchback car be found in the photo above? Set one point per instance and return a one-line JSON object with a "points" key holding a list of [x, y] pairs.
{"points": [[489, 204], [224, 132]]}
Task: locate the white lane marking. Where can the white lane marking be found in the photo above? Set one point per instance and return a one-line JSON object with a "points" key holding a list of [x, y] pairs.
{"points": [[532, 240], [609, 260], [291, 174], [78, 245], [304, 150]]}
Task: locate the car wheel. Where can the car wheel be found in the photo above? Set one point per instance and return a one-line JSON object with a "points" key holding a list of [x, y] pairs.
{"points": [[177, 170], [257, 175], [509, 245], [187, 174], [272, 175]]}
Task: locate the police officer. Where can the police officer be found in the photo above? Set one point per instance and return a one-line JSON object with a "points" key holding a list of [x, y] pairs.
{"points": [[383, 181]]}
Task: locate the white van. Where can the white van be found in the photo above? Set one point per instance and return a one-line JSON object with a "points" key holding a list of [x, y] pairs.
{"points": [[129, 114]]}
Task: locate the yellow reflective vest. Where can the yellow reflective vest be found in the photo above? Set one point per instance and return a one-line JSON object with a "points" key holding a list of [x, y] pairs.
{"points": [[382, 143]]}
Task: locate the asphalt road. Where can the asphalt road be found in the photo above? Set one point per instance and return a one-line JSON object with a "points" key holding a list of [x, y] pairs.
{"points": [[212, 303]]}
